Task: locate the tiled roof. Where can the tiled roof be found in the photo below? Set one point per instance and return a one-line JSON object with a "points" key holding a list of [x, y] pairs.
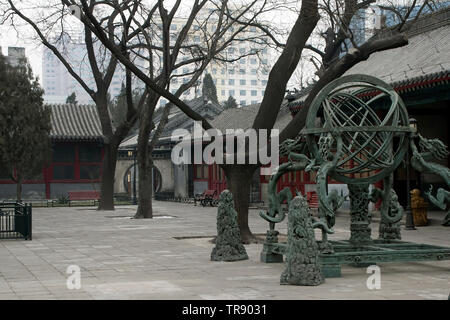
{"points": [[424, 62], [242, 118], [179, 120], [75, 122]]}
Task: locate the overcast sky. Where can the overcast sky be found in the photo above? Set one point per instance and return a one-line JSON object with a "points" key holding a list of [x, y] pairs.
{"points": [[33, 49]]}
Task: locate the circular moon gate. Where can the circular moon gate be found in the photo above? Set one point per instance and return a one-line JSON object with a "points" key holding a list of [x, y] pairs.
{"points": [[346, 108]]}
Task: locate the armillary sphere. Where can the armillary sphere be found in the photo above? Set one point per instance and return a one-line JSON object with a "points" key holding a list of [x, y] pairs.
{"points": [[372, 145]]}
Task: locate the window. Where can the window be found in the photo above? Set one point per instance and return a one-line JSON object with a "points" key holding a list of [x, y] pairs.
{"points": [[230, 71], [253, 61], [214, 71], [64, 153], [196, 38], [231, 82], [241, 71], [242, 61], [173, 27], [254, 93], [264, 82], [254, 102], [201, 171], [242, 92], [223, 71], [262, 92], [223, 81], [231, 92], [243, 103], [253, 71], [90, 153], [222, 92], [231, 50], [63, 172], [185, 70], [242, 82], [254, 82], [264, 61]]}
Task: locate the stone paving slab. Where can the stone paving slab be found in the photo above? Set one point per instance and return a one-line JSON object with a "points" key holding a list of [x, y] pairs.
{"points": [[123, 258]]}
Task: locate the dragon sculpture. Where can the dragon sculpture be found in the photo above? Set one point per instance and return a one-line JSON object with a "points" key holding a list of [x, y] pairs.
{"points": [[294, 150], [433, 150], [391, 211], [296, 161]]}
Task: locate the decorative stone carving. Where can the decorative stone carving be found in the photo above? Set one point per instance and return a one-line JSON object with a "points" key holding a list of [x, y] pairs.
{"points": [[388, 230], [359, 211], [391, 214], [228, 242], [302, 267]]}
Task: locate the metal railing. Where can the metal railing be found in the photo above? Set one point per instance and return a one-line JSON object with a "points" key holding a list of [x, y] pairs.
{"points": [[15, 220]]}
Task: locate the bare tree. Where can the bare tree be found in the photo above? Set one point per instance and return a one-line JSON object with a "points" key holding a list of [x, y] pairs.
{"points": [[169, 54], [48, 21], [338, 52]]}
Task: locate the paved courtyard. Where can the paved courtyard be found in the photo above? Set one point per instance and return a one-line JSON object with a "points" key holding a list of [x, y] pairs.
{"points": [[168, 258]]}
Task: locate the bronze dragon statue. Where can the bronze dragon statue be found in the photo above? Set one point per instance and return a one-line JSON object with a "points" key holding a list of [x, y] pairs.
{"points": [[275, 212], [432, 150]]}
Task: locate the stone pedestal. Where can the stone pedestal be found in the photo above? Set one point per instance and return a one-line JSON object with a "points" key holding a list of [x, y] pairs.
{"points": [[267, 255], [228, 242], [359, 210], [302, 253]]}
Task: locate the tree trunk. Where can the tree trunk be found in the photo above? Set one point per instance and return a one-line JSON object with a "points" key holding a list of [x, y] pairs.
{"points": [[19, 189], [239, 180], [107, 179], [145, 209], [145, 162]]}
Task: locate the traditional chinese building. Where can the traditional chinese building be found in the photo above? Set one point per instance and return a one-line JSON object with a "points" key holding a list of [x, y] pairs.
{"points": [[76, 161], [169, 180], [420, 73]]}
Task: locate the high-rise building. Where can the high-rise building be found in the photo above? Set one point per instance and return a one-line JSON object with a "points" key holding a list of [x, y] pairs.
{"points": [[58, 83], [244, 79], [16, 56]]}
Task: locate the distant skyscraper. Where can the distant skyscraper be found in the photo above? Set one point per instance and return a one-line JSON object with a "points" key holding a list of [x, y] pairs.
{"points": [[244, 79], [16, 56], [58, 82]]}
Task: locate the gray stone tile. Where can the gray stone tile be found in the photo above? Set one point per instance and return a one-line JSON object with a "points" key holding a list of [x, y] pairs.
{"points": [[140, 259]]}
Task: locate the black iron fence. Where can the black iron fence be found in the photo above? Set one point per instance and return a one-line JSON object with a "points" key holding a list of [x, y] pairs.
{"points": [[15, 220]]}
